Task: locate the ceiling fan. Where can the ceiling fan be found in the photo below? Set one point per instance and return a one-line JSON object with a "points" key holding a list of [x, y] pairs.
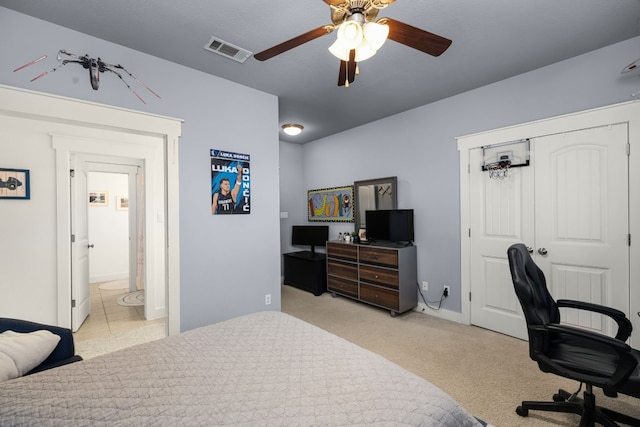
{"points": [[360, 35]]}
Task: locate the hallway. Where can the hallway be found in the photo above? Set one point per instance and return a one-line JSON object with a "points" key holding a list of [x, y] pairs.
{"points": [[109, 319]]}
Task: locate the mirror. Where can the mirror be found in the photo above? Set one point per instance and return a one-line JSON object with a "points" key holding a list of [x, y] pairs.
{"points": [[374, 194]]}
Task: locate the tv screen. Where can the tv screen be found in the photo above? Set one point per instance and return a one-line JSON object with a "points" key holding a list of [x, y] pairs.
{"points": [[309, 235], [395, 225]]}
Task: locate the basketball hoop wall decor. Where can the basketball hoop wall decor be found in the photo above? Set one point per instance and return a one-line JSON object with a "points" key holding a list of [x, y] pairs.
{"points": [[499, 158]]}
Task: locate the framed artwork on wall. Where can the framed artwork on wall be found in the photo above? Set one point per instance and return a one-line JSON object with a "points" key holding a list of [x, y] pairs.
{"points": [[98, 198], [14, 184], [122, 203], [330, 204]]}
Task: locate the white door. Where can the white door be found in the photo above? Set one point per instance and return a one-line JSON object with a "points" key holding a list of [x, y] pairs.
{"points": [[582, 220], [501, 215], [571, 208], [80, 294]]}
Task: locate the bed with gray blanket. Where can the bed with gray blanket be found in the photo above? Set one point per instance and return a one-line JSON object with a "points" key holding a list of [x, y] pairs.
{"points": [[266, 369]]}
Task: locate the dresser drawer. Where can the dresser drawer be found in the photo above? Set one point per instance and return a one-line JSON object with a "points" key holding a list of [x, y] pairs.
{"points": [[379, 275], [343, 286], [379, 296], [342, 250], [379, 256], [342, 269]]}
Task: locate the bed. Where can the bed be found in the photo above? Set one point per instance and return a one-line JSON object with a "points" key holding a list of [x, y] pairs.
{"points": [[266, 368]]}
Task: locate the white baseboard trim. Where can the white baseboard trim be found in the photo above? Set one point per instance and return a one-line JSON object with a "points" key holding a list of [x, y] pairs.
{"points": [[454, 316], [108, 277]]}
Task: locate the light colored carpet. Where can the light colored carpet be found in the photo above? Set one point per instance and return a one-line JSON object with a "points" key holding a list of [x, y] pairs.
{"points": [[132, 299], [98, 346], [488, 373]]}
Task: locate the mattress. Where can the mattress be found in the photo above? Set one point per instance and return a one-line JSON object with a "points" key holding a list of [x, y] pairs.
{"points": [[262, 369]]}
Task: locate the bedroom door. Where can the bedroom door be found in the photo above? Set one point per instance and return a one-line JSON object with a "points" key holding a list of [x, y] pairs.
{"points": [[571, 208], [80, 293]]}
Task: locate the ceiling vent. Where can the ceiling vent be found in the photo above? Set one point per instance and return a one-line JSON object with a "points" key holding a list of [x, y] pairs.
{"points": [[228, 50]]}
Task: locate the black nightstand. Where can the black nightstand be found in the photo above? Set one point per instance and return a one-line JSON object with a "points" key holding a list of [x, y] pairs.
{"points": [[306, 270]]}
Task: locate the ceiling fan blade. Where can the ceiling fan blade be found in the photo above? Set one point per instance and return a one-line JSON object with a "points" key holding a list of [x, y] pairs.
{"points": [[347, 73], [294, 42], [351, 66], [342, 73], [416, 38]]}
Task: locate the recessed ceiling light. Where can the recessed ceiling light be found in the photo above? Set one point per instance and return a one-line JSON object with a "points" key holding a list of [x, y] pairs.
{"points": [[292, 129]]}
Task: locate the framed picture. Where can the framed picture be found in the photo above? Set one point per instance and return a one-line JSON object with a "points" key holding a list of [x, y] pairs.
{"points": [[330, 204], [122, 203], [14, 184], [98, 198], [362, 233]]}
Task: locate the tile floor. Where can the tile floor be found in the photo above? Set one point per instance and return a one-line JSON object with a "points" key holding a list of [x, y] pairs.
{"points": [[107, 317]]}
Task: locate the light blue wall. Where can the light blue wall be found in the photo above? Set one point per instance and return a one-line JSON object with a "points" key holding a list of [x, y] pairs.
{"points": [[227, 264], [419, 147]]}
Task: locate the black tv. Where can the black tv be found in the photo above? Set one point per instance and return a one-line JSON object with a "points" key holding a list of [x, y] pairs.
{"points": [[310, 235], [390, 225]]}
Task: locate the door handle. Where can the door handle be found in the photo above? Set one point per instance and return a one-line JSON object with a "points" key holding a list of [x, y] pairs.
{"points": [[542, 251], [90, 246], [529, 249]]}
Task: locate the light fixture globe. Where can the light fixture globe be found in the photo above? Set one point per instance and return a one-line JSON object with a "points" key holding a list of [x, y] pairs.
{"points": [[376, 34], [292, 129], [350, 34]]}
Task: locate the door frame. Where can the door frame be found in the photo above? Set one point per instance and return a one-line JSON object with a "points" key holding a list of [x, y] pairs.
{"points": [[627, 112]]}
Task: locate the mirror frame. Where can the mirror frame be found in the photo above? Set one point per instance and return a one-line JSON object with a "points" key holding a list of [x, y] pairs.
{"points": [[364, 183]]}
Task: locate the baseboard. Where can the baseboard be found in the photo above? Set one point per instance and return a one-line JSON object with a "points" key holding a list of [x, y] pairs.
{"points": [[454, 316], [108, 277]]}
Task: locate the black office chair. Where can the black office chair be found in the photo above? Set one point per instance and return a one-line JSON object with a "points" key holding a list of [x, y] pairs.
{"points": [[588, 357]]}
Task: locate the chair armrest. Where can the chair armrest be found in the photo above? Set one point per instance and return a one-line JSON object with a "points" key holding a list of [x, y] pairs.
{"points": [[625, 366], [624, 324]]}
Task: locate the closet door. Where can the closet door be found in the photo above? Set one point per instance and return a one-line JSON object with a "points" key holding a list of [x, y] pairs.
{"points": [[581, 193], [502, 213], [570, 206]]}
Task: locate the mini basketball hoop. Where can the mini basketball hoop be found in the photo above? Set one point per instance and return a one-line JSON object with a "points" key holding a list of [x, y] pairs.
{"points": [[497, 159], [500, 169]]}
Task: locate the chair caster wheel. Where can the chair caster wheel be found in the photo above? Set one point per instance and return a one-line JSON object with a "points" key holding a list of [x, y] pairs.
{"points": [[523, 412], [558, 398]]}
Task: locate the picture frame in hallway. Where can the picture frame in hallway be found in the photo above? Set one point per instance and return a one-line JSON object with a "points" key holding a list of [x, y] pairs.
{"points": [[98, 198], [14, 184], [122, 203]]}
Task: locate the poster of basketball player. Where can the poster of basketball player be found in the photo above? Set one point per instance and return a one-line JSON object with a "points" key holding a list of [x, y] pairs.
{"points": [[230, 183]]}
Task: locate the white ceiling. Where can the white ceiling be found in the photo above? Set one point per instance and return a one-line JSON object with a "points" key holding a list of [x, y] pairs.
{"points": [[492, 40]]}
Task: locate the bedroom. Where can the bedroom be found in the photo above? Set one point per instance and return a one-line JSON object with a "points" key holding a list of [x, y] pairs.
{"points": [[427, 153]]}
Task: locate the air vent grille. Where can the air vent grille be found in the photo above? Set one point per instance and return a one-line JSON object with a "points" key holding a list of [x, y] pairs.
{"points": [[221, 47]]}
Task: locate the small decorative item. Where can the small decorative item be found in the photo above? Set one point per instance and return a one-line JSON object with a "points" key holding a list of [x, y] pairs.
{"points": [[362, 233], [347, 237], [98, 198], [14, 184], [355, 238], [340, 236], [331, 204], [122, 203]]}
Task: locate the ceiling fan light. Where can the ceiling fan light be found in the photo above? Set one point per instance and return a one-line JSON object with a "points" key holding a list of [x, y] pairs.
{"points": [[292, 129], [350, 34], [338, 50], [364, 51], [376, 34]]}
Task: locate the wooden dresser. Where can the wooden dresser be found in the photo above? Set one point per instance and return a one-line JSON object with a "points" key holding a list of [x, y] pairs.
{"points": [[384, 276]]}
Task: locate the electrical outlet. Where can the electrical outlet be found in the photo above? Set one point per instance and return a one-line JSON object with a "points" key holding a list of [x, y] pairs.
{"points": [[447, 291], [267, 299], [425, 285]]}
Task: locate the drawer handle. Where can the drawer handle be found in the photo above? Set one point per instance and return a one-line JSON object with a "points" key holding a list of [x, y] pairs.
{"points": [[377, 276]]}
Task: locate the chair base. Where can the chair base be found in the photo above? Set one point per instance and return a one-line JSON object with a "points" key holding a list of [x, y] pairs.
{"points": [[589, 412]]}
